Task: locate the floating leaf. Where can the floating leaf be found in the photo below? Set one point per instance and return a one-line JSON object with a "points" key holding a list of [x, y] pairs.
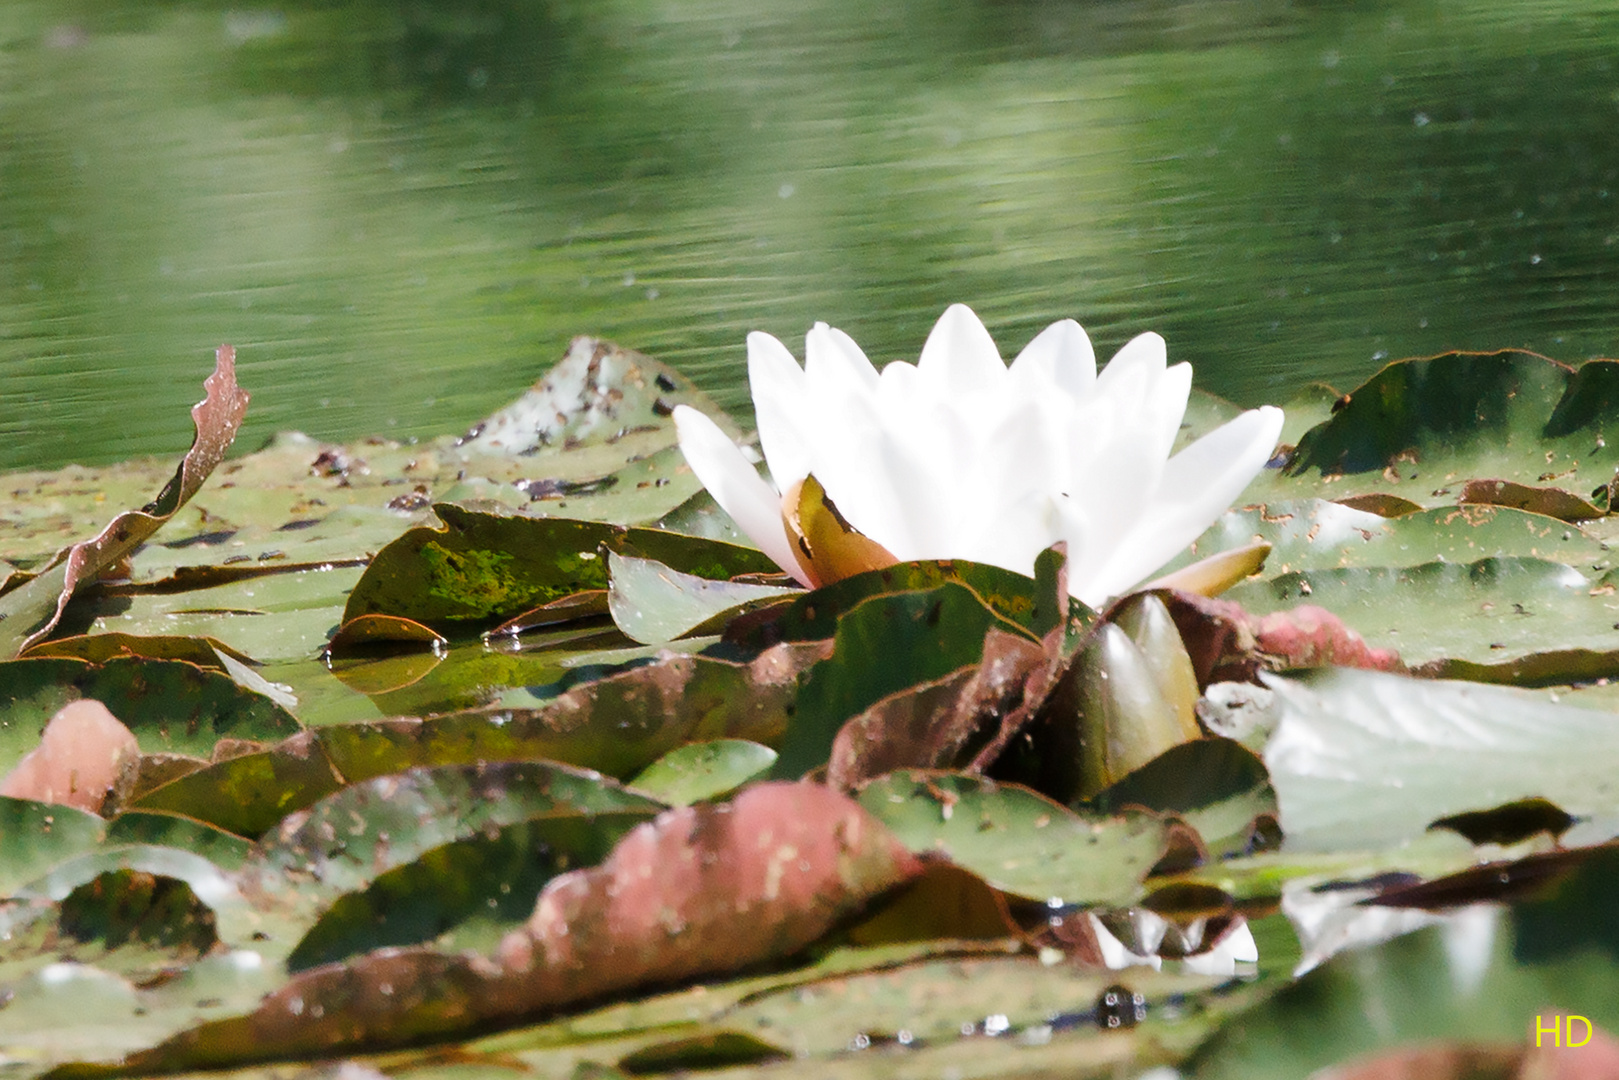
{"points": [[942, 723], [170, 705], [480, 566], [99, 648], [887, 644], [795, 858], [36, 836], [1500, 619], [1368, 760], [1024, 602], [1421, 429], [703, 770], [1018, 841], [28, 613], [653, 603]]}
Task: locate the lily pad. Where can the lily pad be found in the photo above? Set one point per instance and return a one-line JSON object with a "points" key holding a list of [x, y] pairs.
{"points": [[1019, 841], [704, 770], [36, 836], [1530, 618], [1421, 429], [170, 705], [1368, 760], [593, 932], [479, 567], [30, 611], [887, 644], [653, 603]]}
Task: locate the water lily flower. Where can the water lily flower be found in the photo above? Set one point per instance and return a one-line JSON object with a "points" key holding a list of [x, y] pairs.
{"points": [[962, 456]]}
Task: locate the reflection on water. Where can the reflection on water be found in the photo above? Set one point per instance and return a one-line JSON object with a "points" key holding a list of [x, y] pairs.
{"points": [[400, 212]]}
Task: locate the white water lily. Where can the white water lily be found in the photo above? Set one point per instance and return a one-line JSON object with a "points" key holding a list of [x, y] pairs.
{"points": [[961, 456]]}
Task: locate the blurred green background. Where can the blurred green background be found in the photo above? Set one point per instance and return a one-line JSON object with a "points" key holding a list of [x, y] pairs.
{"points": [[401, 211]]}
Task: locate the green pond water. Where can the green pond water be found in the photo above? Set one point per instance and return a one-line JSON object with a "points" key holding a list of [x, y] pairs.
{"points": [[400, 212]]}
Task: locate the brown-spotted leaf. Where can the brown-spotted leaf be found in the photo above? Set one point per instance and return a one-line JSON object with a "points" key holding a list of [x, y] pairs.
{"points": [[701, 890], [30, 612]]}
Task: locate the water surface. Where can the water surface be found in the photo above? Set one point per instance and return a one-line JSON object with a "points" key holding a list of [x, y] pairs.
{"points": [[400, 212]]}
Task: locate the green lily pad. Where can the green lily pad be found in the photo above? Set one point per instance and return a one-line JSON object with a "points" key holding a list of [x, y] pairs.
{"points": [[1422, 429], [1311, 534], [1365, 760], [1023, 602], [1019, 841], [1216, 786], [704, 770], [888, 643], [1530, 618], [479, 567], [470, 837], [37, 836], [170, 705], [654, 603]]}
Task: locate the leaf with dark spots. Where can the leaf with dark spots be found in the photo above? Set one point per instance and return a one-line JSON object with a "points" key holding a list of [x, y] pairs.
{"points": [[400, 859], [225, 850], [889, 643], [30, 612], [617, 725], [1445, 399], [345, 840], [1017, 840], [171, 706], [483, 886], [940, 724], [247, 795], [1506, 619], [700, 891], [36, 836], [480, 566]]}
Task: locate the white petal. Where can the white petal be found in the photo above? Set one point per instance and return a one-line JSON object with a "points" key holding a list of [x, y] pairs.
{"points": [[741, 492], [1059, 354], [1198, 484], [1144, 356], [779, 398], [960, 358], [833, 363]]}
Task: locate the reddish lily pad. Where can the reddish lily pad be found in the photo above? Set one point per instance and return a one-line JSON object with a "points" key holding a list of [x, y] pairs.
{"points": [[796, 858]]}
